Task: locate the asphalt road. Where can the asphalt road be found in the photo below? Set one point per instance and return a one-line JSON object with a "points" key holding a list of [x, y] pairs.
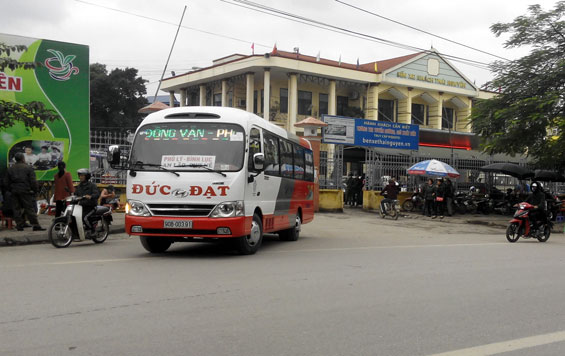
{"points": [[352, 285]]}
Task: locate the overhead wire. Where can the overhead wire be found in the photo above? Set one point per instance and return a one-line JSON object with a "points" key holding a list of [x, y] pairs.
{"points": [[419, 30], [336, 29]]}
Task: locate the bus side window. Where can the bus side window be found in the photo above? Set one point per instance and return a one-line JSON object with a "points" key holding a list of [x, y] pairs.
{"points": [[309, 166], [254, 146], [287, 166], [298, 162], [271, 150]]}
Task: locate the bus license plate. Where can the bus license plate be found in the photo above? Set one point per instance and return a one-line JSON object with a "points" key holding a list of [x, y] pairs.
{"points": [[177, 224]]}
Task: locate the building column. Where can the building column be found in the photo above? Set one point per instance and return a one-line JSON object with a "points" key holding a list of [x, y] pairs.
{"points": [[172, 99], [405, 109], [463, 123], [292, 101], [435, 113], [267, 93], [250, 87], [202, 95], [332, 99], [372, 112], [183, 97], [224, 92]]}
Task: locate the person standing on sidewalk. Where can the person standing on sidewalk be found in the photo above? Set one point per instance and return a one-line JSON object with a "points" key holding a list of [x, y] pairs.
{"points": [[20, 180], [63, 187], [428, 192], [449, 193], [440, 198]]}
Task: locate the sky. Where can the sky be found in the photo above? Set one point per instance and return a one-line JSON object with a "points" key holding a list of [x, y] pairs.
{"points": [[139, 33]]}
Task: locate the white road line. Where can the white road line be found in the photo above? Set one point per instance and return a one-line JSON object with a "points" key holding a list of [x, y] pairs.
{"points": [[507, 346], [58, 263]]}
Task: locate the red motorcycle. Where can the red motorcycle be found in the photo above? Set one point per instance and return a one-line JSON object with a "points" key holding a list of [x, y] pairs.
{"points": [[520, 225]]}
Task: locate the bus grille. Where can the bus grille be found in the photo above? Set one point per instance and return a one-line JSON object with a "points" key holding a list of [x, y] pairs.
{"points": [[180, 209]]}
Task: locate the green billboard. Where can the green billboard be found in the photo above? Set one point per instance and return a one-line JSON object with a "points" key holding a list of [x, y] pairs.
{"points": [[61, 83]]}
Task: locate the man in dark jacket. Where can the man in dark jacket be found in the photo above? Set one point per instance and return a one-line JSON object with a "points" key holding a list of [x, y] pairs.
{"points": [[90, 193], [20, 180], [429, 192], [449, 190], [390, 193], [537, 199]]}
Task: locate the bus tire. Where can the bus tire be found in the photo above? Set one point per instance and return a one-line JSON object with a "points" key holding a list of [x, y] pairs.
{"points": [[155, 244], [249, 244], [293, 233]]}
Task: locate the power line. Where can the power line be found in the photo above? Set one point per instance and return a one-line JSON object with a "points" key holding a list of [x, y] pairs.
{"points": [[344, 31], [417, 29], [173, 24]]}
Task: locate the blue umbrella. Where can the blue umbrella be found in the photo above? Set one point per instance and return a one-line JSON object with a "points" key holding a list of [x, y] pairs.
{"points": [[433, 167]]}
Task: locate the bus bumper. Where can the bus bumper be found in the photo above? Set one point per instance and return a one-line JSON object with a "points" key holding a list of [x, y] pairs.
{"points": [[201, 227]]}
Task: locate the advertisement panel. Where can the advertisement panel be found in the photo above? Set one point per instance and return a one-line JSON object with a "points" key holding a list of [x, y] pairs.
{"points": [[371, 133], [61, 83]]}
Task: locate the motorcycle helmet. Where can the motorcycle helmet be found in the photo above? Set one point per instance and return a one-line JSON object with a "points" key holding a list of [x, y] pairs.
{"points": [[84, 172], [472, 189], [535, 186]]}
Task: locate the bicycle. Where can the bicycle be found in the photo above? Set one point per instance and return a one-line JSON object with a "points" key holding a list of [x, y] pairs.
{"points": [[391, 209]]}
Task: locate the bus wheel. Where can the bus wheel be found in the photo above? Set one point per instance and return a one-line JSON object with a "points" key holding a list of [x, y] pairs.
{"points": [[155, 244], [249, 244], [293, 233]]}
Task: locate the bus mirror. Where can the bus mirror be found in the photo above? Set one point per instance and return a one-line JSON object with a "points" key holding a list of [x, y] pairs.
{"points": [[258, 161], [114, 155]]}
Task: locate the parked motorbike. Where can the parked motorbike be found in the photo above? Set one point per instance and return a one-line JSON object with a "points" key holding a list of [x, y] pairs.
{"points": [[413, 203], [484, 205], [553, 206], [520, 225], [461, 203], [70, 226]]}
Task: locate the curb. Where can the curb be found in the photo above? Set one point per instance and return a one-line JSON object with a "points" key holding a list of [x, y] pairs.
{"points": [[42, 237]]}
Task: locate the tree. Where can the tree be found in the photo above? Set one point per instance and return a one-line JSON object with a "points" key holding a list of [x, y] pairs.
{"points": [[32, 114], [528, 113], [115, 97]]}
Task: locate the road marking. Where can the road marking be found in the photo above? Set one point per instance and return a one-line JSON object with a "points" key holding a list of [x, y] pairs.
{"points": [[507, 346], [59, 263], [387, 247]]}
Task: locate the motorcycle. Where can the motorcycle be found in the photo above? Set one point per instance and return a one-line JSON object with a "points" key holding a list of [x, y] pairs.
{"points": [[484, 205], [520, 225], [391, 209], [70, 226], [414, 202]]}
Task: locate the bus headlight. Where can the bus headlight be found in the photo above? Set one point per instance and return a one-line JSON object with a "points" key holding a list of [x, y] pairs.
{"points": [[228, 209], [136, 208]]}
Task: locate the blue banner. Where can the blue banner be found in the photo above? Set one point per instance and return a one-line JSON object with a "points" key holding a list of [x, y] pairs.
{"points": [[371, 133]]}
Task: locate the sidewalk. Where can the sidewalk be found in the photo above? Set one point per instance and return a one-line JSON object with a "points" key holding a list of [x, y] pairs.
{"points": [[11, 237]]}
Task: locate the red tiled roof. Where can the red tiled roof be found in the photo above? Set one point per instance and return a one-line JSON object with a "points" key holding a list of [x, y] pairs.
{"points": [[155, 106], [310, 121]]}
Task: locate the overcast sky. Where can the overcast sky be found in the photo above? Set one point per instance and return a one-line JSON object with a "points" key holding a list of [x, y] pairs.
{"points": [[140, 34]]}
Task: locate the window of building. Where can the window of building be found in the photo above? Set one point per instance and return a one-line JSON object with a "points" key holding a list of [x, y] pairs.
{"points": [[287, 165], [304, 102], [418, 114], [342, 104], [447, 118], [218, 99], [254, 146], [323, 103], [271, 150], [284, 101], [386, 110], [255, 101]]}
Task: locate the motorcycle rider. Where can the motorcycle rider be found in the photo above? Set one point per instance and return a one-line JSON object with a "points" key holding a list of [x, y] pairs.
{"points": [[537, 199], [390, 193], [89, 191]]}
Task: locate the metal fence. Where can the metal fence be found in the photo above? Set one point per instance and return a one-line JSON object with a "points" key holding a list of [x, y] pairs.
{"points": [[379, 167], [100, 142]]}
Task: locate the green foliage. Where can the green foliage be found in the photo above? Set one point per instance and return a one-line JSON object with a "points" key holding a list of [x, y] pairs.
{"points": [[528, 114], [115, 98], [11, 63], [32, 114]]}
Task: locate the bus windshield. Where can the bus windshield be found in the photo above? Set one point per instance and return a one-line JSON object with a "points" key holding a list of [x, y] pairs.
{"points": [[189, 146]]}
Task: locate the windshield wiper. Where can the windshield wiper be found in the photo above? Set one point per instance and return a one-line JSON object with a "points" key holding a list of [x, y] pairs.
{"points": [[139, 163], [201, 165]]}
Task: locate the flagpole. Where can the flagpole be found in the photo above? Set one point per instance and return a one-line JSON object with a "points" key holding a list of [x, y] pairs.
{"points": [[168, 58]]}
